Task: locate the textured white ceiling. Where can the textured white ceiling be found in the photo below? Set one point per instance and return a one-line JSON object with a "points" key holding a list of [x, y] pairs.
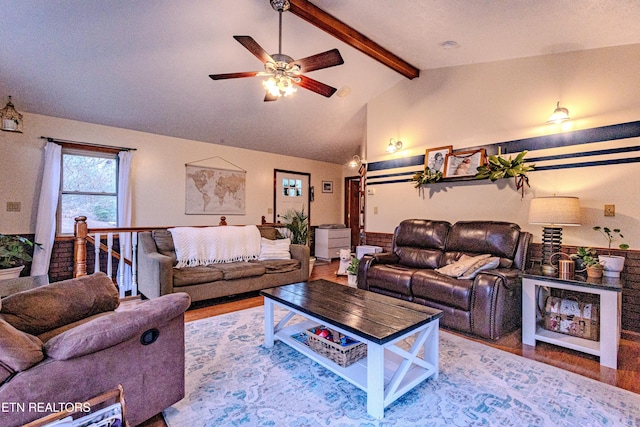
{"points": [[144, 65]]}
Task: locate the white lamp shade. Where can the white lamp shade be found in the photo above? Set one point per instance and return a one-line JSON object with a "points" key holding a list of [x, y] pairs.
{"points": [[555, 211]]}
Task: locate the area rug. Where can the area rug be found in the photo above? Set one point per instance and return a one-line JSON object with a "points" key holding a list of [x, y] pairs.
{"points": [[233, 380]]}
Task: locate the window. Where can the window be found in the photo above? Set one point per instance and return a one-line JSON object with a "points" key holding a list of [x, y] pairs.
{"points": [[88, 187]]}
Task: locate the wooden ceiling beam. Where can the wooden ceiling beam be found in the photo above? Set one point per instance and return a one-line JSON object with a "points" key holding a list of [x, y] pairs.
{"points": [[328, 23]]}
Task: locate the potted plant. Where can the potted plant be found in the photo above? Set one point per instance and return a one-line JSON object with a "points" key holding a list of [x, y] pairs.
{"points": [[15, 252], [498, 167], [613, 264], [297, 222], [593, 266], [578, 257], [352, 272]]}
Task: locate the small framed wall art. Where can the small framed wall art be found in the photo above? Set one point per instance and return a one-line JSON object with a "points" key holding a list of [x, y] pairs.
{"points": [[434, 158], [327, 186], [463, 163]]}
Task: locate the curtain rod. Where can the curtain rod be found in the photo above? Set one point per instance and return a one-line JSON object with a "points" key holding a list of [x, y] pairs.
{"points": [[64, 141]]}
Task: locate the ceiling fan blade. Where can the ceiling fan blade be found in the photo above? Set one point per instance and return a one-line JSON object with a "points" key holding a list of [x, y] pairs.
{"points": [[269, 97], [322, 60], [252, 46], [234, 75], [316, 86]]}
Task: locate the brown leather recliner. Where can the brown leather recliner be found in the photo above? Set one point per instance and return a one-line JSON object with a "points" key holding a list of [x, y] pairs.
{"points": [[482, 302], [70, 341]]}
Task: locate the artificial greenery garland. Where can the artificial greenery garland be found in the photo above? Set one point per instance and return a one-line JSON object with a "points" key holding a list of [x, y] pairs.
{"points": [[498, 167]]}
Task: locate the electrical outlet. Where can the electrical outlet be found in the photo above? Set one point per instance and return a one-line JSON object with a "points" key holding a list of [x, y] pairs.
{"points": [[375, 210], [14, 206], [609, 210]]}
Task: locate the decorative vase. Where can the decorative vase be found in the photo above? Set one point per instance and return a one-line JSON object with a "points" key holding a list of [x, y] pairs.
{"points": [[595, 272], [352, 280], [613, 265], [11, 273]]}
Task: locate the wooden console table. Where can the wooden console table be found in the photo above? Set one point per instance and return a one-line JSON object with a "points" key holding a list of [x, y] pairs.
{"points": [[609, 291]]}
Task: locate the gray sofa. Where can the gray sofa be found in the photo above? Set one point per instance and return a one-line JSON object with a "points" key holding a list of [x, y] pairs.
{"points": [[157, 274], [70, 341]]}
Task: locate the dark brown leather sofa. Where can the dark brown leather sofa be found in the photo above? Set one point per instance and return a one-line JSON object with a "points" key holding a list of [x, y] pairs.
{"points": [[485, 303]]}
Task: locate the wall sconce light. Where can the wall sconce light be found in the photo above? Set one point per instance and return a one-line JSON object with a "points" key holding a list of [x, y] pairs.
{"points": [[560, 114], [394, 146], [355, 161], [10, 119]]}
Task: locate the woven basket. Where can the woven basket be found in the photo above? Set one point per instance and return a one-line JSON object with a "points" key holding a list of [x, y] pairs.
{"points": [[342, 355], [571, 316]]}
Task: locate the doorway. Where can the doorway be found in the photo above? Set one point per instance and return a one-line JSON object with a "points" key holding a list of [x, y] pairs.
{"points": [[290, 192], [354, 209]]}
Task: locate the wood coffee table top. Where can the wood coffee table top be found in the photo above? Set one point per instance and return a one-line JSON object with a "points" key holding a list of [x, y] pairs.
{"points": [[372, 316]]}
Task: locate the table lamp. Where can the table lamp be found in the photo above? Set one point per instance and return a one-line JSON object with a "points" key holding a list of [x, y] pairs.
{"points": [[553, 212]]}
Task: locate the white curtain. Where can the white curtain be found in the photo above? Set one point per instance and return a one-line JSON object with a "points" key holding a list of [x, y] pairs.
{"points": [[125, 201], [47, 206]]}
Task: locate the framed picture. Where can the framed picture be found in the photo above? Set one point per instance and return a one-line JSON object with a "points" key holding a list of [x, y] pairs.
{"points": [[434, 158], [327, 186], [463, 163]]}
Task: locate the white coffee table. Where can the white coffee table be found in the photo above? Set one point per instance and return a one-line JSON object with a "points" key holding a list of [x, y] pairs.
{"points": [[388, 371]]}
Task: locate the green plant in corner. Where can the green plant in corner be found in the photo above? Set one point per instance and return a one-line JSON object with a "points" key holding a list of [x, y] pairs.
{"points": [[15, 250], [352, 268], [498, 167], [425, 177], [298, 224], [612, 236]]}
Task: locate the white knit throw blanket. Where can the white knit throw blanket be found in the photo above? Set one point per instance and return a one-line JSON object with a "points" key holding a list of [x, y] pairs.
{"points": [[202, 246]]}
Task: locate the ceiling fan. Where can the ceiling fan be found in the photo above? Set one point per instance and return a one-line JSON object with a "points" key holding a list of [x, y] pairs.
{"points": [[283, 72]]}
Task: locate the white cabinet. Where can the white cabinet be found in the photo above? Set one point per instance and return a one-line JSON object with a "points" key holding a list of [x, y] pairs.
{"points": [[330, 240]]}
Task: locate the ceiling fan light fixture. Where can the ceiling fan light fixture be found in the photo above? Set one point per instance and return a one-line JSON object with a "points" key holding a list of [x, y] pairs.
{"points": [[282, 72], [279, 85]]}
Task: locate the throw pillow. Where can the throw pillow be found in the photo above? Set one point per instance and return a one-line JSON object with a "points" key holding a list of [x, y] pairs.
{"points": [[267, 232], [481, 265], [458, 268], [274, 249], [18, 351]]}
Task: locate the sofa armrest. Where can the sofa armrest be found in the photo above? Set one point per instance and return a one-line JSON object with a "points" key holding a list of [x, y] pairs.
{"points": [[371, 259], [510, 276], [155, 271], [116, 327], [497, 302], [302, 254]]}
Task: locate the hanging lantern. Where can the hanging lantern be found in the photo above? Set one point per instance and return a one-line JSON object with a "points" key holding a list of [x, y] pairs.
{"points": [[10, 119]]}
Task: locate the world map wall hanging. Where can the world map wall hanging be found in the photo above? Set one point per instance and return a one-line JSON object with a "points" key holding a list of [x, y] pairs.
{"points": [[212, 191]]}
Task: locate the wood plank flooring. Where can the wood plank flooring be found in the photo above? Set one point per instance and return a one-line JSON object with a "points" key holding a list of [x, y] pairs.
{"points": [[627, 376]]}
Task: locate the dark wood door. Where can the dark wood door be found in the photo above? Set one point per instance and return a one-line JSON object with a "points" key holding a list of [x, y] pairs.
{"points": [[352, 208]]}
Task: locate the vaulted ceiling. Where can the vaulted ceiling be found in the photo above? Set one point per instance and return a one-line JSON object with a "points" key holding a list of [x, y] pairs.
{"points": [[144, 65]]}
